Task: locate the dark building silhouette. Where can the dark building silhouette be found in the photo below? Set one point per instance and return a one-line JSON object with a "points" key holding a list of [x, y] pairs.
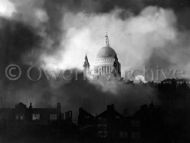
{"points": [[109, 123], [166, 123], [109, 126], [86, 125], [36, 115], [36, 122]]}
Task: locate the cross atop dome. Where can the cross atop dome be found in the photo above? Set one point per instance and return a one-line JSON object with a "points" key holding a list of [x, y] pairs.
{"points": [[107, 40]]}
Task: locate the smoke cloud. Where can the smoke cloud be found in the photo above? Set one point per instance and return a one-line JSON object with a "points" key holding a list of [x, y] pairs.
{"points": [[55, 35], [7, 9], [133, 37]]}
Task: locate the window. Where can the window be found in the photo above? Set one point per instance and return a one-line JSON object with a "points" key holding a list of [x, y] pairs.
{"points": [[102, 133], [136, 135], [53, 117], [123, 134], [96, 70], [35, 117], [102, 126], [102, 119], [136, 123], [19, 117]]}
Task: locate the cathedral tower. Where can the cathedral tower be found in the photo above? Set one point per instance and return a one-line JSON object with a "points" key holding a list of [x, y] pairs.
{"points": [[86, 65]]}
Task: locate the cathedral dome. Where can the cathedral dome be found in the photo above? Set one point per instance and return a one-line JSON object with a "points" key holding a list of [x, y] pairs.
{"points": [[106, 62], [106, 52]]}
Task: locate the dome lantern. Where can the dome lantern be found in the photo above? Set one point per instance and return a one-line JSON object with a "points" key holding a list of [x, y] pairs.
{"points": [[107, 40], [107, 51]]}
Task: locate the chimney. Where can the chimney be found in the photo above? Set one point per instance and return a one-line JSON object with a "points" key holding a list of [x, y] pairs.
{"points": [[59, 110], [59, 107]]}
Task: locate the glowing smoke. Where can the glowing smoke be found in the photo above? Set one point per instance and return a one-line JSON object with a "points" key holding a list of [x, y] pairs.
{"points": [[133, 37], [6, 8]]}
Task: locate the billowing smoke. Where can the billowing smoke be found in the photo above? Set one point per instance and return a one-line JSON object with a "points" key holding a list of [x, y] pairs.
{"points": [[55, 35], [133, 37], [7, 9]]}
